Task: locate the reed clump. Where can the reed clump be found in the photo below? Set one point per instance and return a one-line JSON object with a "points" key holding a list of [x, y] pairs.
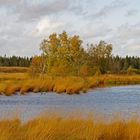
{"points": [[57, 127], [12, 89]]}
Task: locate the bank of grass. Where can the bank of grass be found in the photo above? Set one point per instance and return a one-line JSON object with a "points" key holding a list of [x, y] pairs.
{"points": [[69, 128], [11, 83], [14, 69]]}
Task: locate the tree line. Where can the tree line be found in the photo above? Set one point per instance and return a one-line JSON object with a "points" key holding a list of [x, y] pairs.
{"points": [[15, 61], [64, 55]]}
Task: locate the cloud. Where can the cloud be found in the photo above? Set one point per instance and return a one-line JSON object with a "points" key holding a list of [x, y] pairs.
{"points": [[34, 11], [96, 32], [127, 32], [25, 23], [131, 12], [19, 46], [45, 25], [4, 3], [108, 9], [126, 39]]}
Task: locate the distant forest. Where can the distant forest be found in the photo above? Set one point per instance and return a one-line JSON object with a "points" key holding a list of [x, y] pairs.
{"points": [[118, 64], [16, 61], [122, 64]]}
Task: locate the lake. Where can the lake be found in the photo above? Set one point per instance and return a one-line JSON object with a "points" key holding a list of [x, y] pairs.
{"points": [[122, 99]]}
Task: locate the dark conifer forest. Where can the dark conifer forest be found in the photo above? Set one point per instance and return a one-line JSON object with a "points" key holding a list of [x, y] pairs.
{"points": [[16, 61]]}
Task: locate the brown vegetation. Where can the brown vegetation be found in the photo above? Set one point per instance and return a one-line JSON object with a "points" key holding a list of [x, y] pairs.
{"points": [[14, 69], [69, 128], [19, 82]]}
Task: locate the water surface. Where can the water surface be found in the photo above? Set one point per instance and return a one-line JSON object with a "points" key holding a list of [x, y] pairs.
{"points": [[122, 99]]}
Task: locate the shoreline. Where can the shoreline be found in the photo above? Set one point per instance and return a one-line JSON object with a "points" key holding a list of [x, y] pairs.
{"points": [[10, 84]]}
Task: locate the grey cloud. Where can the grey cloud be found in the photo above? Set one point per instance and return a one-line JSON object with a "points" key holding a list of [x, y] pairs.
{"points": [[35, 11], [100, 31], [128, 32], [29, 10], [23, 16], [4, 3], [19, 46], [131, 12], [126, 39], [108, 9]]}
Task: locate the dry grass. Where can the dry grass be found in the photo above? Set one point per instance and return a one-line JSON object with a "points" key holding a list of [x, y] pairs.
{"points": [[10, 83], [71, 128], [14, 69], [13, 76]]}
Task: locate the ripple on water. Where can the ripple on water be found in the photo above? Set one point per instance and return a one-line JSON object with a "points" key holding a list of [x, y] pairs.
{"points": [[122, 99]]}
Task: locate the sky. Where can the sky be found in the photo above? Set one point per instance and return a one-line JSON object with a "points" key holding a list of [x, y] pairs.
{"points": [[25, 23]]}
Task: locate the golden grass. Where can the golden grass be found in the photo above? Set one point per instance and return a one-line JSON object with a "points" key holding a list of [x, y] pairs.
{"points": [[14, 69], [13, 76], [11, 89], [57, 127], [10, 83]]}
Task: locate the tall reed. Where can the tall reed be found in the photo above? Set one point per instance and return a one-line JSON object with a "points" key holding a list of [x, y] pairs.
{"points": [[71, 128]]}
